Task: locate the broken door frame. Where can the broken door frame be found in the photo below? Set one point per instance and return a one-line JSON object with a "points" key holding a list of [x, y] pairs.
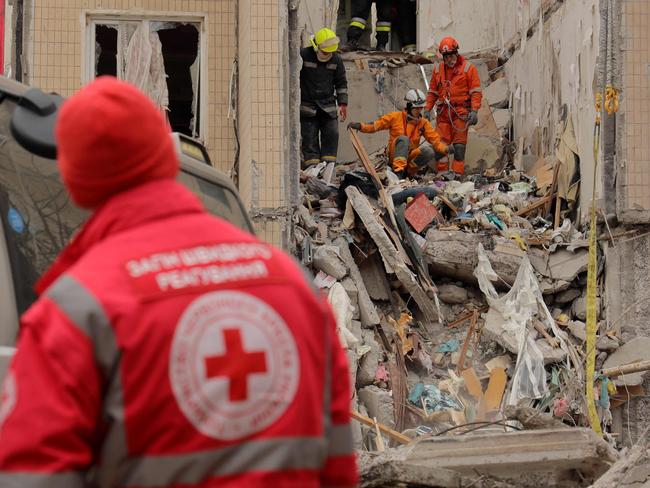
{"points": [[91, 18]]}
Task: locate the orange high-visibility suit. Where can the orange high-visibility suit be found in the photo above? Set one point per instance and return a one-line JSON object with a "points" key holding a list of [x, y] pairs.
{"points": [[401, 127], [453, 93]]}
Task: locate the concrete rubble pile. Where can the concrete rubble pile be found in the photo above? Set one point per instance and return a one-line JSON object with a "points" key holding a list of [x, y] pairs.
{"points": [[462, 306]]}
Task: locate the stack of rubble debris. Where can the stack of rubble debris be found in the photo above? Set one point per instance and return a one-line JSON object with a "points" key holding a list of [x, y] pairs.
{"points": [[462, 307]]}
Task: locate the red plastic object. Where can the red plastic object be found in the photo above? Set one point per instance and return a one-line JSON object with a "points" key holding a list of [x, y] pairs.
{"points": [[421, 212]]}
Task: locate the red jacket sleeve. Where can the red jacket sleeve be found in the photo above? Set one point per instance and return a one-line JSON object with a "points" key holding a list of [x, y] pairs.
{"points": [[341, 465], [51, 406], [432, 94], [475, 90]]}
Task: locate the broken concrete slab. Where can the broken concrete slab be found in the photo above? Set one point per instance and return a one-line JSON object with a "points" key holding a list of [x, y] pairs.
{"points": [[486, 125], [567, 296], [351, 289], [389, 472], [493, 330], [379, 404], [637, 349], [503, 119], [517, 453], [604, 343], [327, 260], [560, 265], [370, 361], [390, 254], [631, 470], [455, 254], [452, 294], [306, 219], [497, 93], [367, 311], [374, 276], [578, 330], [483, 152], [549, 287], [579, 307]]}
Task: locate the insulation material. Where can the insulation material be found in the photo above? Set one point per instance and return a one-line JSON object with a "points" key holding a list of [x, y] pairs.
{"points": [[145, 67]]}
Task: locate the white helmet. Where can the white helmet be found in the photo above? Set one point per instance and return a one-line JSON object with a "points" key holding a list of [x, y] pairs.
{"points": [[415, 99]]}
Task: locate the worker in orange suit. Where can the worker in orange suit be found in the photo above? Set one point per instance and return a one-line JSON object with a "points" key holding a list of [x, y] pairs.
{"points": [[455, 94], [407, 153]]}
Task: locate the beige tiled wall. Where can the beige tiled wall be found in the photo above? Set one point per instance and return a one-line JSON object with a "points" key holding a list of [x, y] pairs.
{"points": [[636, 105], [55, 54], [262, 115]]}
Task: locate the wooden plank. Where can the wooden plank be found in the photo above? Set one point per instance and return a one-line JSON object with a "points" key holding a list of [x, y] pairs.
{"points": [[466, 316], [495, 390], [533, 206], [558, 206], [470, 333], [448, 203], [547, 207], [401, 438], [365, 160], [626, 369], [472, 383], [552, 341], [380, 439]]}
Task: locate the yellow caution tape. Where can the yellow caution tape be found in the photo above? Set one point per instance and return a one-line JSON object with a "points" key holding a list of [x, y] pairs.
{"points": [[611, 99], [594, 420]]}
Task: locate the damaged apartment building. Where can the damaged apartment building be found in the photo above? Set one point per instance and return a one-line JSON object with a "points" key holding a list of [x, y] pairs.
{"points": [[220, 69], [227, 73]]}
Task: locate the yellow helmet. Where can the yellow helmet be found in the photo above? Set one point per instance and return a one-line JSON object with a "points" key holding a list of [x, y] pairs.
{"points": [[325, 40]]}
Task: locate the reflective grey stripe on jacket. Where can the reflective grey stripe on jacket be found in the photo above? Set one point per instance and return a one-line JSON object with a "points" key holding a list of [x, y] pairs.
{"points": [[339, 441], [278, 454], [308, 111], [87, 314], [42, 480]]}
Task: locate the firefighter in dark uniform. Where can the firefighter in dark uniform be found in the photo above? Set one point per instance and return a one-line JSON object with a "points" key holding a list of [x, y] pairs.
{"points": [[323, 85], [406, 24], [360, 14]]}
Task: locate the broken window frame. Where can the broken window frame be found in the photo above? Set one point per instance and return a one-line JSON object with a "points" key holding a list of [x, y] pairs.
{"points": [[120, 19]]}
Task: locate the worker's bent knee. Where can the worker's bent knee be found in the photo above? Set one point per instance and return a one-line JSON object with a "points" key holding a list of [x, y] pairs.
{"points": [[459, 151], [427, 154]]}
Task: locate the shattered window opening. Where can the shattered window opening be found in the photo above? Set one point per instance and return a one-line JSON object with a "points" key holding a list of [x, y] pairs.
{"points": [[162, 58]]}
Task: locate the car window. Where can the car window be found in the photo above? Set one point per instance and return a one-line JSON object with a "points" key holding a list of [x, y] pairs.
{"points": [[217, 199], [38, 217]]}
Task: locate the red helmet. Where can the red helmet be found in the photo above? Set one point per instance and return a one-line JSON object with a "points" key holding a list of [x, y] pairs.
{"points": [[448, 45]]}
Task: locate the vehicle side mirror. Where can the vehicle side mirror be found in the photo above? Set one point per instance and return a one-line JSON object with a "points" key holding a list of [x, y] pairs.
{"points": [[33, 120]]}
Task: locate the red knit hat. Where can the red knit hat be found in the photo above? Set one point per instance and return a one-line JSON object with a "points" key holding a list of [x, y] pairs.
{"points": [[110, 138]]}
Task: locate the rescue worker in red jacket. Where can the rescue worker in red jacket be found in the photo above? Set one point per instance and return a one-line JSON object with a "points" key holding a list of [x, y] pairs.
{"points": [[406, 129], [167, 348], [455, 94]]}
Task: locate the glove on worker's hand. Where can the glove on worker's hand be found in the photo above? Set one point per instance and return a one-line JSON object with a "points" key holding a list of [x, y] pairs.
{"points": [[472, 118], [427, 114], [354, 125]]}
